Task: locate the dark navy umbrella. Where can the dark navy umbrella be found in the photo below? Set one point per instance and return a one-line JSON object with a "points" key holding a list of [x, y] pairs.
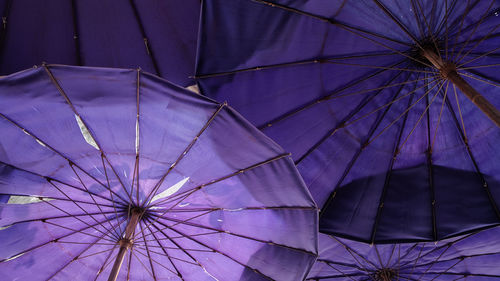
{"points": [[157, 35], [474, 256], [388, 107], [110, 168]]}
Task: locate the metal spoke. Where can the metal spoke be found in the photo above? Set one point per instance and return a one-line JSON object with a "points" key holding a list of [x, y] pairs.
{"points": [[297, 63]]}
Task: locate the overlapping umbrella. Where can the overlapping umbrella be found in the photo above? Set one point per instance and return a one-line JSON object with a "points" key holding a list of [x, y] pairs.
{"points": [[158, 36], [125, 170], [388, 107], [470, 257]]}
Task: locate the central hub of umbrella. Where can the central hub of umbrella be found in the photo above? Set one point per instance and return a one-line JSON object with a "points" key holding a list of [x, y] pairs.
{"points": [[385, 274], [419, 59]]}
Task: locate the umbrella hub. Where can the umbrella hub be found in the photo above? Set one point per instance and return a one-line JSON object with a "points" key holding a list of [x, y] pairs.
{"points": [[385, 274]]}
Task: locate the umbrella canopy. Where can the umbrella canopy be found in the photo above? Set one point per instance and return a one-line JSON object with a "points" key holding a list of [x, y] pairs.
{"points": [[158, 36], [473, 256], [123, 169], [373, 99]]}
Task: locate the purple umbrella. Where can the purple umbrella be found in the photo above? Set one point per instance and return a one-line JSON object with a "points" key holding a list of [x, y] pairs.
{"points": [[123, 169], [157, 35], [373, 99], [473, 256]]}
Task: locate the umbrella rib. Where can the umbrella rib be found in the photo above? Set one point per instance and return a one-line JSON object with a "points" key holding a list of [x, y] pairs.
{"points": [[111, 193], [388, 175], [398, 23], [199, 234], [181, 156], [101, 269], [296, 63], [46, 145], [91, 196], [147, 251], [477, 24], [78, 205], [76, 37], [170, 248], [366, 141], [479, 66], [137, 139], [440, 115], [75, 258], [96, 253], [179, 259], [224, 254], [70, 104], [51, 241], [333, 95], [340, 271], [335, 276], [164, 249], [232, 234], [381, 67], [430, 171], [342, 264], [149, 51], [471, 155], [327, 20], [478, 79], [187, 193]]}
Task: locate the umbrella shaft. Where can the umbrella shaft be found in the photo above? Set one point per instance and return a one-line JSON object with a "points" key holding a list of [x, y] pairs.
{"points": [[449, 72], [125, 244]]}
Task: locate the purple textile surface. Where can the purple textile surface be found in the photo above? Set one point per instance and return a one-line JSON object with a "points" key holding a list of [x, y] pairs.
{"points": [[389, 149], [156, 35], [219, 200], [473, 256]]}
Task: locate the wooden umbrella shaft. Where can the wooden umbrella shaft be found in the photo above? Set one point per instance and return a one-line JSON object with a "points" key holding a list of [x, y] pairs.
{"points": [[449, 72], [125, 244]]}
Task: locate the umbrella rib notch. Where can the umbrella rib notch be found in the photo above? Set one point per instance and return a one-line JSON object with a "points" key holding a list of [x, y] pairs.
{"points": [[448, 71], [125, 243]]}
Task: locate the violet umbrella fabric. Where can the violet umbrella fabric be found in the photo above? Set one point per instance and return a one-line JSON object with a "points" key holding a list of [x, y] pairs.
{"points": [[157, 35], [389, 150], [223, 201], [473, 256]]}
